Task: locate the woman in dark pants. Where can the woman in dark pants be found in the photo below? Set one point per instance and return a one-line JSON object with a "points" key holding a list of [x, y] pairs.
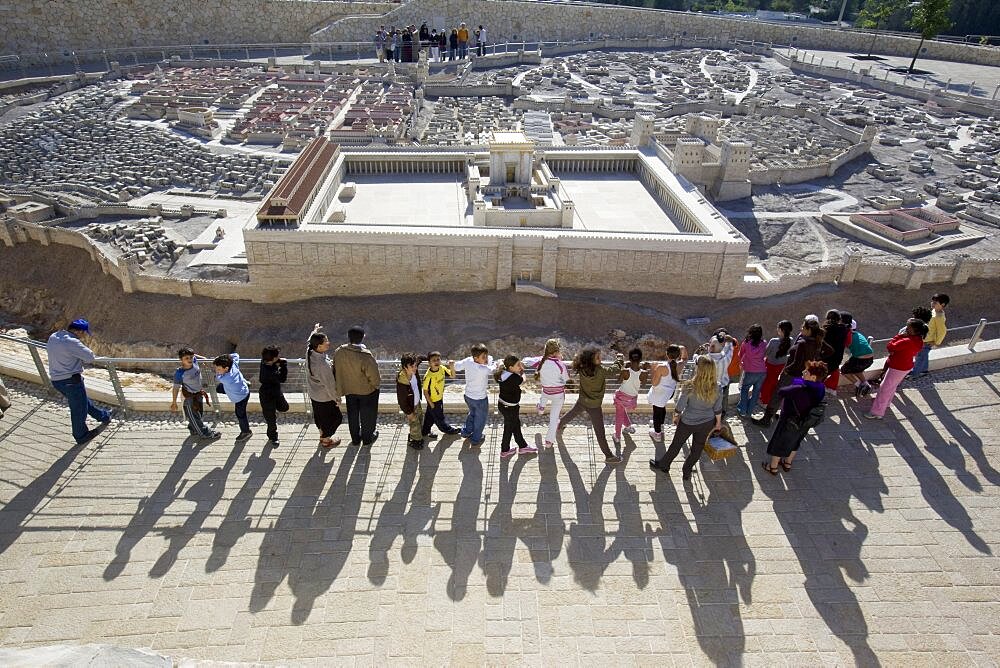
{"points": [[798, 399], [322, 386], [698, 413]]}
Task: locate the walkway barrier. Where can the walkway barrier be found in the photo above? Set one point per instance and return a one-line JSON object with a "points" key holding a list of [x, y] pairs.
{"points": [[144, 384]]}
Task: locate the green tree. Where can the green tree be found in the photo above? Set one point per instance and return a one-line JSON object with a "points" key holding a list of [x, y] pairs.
{"points": [[929, 18], [875, 13]]}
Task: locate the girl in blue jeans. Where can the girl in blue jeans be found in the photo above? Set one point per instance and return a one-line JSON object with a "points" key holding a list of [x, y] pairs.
{"points": [[753, 362]]}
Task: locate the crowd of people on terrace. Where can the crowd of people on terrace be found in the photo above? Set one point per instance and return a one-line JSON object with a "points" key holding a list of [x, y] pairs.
{"points": [[790, 375], [403, 45]]}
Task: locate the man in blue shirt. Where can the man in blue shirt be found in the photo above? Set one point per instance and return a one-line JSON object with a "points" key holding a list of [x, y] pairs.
{"points": [[67, 355]]}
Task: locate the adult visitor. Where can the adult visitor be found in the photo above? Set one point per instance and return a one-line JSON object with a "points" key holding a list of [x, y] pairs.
{"points": [[358, 379], [322, 388], [775, 357], [798, 401], [67, 355], [808, 346], [698, 414]]}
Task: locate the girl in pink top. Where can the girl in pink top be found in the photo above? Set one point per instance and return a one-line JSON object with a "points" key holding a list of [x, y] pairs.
{"points": [[552, 375], [751, 354]]}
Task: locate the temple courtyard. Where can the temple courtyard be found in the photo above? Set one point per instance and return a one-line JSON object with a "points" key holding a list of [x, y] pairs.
{"points": [[878, 548]]}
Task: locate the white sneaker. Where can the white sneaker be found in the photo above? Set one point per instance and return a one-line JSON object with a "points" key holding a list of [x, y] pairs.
{"points": [[630, 429], [540, 408], [656, 435]]}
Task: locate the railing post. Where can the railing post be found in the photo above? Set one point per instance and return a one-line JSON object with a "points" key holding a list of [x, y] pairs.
{"points": [[977, 335], [305, 386], [215, 397], [117, 384], [40, 366]]}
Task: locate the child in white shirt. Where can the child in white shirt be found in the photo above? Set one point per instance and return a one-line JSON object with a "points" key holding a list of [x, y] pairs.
{"points": [[478, 368]]}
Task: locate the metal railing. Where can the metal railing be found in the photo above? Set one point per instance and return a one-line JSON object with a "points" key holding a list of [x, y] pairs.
{"points": [[983, 330], [153, 377]]}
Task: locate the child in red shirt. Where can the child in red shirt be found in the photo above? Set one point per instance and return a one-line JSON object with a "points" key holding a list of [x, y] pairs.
{"points": [[902, 349]]}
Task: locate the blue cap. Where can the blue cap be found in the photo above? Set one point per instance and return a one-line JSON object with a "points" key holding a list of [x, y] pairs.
{"points": [[80, 324]]}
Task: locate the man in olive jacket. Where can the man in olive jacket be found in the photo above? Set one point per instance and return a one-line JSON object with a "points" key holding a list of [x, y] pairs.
{"points": [[358, 380]]}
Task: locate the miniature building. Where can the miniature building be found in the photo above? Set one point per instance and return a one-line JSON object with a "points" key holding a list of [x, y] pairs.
{"points": [[295, 191], [31, 212], [723, 171], [906, 225]]}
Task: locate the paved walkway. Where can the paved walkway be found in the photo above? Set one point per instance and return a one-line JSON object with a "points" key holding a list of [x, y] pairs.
{"points": [[879, 548]]}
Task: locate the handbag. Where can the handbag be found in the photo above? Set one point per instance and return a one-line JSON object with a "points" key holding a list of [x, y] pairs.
{"points": [[803, 423]]}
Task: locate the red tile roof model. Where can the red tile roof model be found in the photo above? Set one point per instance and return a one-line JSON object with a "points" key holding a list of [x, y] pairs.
{"points": [[294, 192]]}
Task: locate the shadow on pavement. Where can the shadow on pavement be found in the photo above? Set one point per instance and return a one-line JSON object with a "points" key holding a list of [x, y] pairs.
{"points": [[813, 506], [151, 508]]}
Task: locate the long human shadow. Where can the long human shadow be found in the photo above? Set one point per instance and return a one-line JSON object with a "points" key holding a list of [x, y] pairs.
{"points": [[588, 552], [391, 520], [422, 515], [321, 563], [542, 533], [237, 521], [276, 558], [205, 494], [459, 546], [714, 562], [405, 515], [813, 506], [958, 434], [151, 508], [933, 486], [16, 511]]}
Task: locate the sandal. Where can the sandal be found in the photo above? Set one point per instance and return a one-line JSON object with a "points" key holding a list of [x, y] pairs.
{"points": [[785, 466], [767, 468]]}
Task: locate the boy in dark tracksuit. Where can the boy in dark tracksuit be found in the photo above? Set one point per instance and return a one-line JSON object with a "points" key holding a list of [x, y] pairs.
{"points": [[273, 372], [408, 395]]}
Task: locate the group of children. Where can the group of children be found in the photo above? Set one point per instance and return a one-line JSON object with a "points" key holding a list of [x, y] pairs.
{"points": [[762, 367]]}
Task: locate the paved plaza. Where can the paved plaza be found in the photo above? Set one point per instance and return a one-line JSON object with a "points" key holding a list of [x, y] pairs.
{"points": [[877, 549]]}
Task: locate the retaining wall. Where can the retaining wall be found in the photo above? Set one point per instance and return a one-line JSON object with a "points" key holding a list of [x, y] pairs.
{"points": [[30, 26], [514, 20]]}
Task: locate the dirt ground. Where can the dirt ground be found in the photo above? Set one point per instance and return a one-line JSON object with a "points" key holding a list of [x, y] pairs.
{"points": [[43, 287]]}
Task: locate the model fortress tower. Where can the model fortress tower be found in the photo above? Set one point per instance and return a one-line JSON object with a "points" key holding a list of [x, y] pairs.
{"points": [[720, 170]]}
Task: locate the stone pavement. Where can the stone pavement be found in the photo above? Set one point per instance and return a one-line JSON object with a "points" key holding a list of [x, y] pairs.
{"points": [[878, 548]]}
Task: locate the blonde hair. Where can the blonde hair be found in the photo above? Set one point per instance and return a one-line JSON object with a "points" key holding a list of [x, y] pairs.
{"points": [[704, 384], [552, 347]]}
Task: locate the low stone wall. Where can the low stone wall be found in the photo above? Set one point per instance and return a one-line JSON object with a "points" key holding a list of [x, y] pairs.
{"points": [[29, 26], [855, 269]]}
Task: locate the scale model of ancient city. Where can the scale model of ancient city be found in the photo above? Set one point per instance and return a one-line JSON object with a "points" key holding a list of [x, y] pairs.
{"points": [[690, 163]]}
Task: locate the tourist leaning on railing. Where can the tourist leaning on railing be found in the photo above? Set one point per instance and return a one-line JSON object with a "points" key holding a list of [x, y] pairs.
{"points": [[902, 349], [799, 399], [67, 355], [593, 377]]}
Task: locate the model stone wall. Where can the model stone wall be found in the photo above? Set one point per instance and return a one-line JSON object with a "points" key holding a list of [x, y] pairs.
{"points": [[29, 26], [516, 20], [292, 265]]}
